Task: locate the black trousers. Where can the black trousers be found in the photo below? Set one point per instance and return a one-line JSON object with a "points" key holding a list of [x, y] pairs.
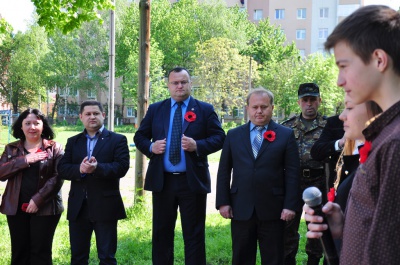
{"points": [[80, 234], [32, 238], [192, 207], [246, 234]]}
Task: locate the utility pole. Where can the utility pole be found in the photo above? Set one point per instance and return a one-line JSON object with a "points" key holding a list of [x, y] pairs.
{"points": [[143, 89], [111, 71]]}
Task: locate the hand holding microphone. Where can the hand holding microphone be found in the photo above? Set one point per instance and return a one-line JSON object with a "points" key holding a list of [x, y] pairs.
{"points": [[312, 196]]}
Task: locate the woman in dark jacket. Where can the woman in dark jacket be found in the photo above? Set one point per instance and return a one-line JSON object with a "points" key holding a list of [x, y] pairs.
{"points": [[355, 118], [32, 198]]}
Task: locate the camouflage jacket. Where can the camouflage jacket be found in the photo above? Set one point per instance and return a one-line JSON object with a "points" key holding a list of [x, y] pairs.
{"points": [[306, 138]]}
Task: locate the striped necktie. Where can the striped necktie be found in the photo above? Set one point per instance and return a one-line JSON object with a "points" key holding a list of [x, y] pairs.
{"points": [[257, 140]]}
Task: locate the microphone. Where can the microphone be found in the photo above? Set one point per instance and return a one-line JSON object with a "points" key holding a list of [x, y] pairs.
{"points": [[312, 196]]}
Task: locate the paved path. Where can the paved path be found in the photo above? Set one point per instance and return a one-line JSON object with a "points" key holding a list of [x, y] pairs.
{"points": [[128, 183]]}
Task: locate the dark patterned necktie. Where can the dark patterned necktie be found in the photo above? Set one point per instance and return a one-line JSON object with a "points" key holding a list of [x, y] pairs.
{"points": [[257, 140], [176, 135]]}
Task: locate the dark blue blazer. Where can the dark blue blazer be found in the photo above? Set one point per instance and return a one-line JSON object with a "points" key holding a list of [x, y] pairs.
{"points": [[102, 187], [267, 184], [324, 148], [205, 130]]}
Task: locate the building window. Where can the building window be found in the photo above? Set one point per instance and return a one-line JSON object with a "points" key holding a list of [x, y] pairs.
{"points": [[323, 12], [279, 13], [258, 14], [301, 13], [72, 110], [302, 53], [322, 34], [300, 34], [68, 92], [238, 112], [130, 112], [91, 93]]}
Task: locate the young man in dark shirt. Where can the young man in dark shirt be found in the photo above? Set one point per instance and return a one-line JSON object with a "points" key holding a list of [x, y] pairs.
{"points": [[366, 47]]}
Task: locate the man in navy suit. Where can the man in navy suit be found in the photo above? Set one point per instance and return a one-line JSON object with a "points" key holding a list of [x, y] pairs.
{"points": [[94, 161], [179, 178], [257, 182]]}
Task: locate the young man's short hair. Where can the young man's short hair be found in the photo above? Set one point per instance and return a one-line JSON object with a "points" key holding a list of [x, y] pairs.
{"points": [[367, 29]]}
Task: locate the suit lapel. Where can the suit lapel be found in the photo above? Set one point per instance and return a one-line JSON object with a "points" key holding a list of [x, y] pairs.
{"points": [[265, 143], [165, 115], [101, 141], [81, 142], [191, 107], [247, 144]]}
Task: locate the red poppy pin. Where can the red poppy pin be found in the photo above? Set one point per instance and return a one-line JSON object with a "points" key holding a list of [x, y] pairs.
{"points": [[270, 136], [39, 150], [364, 151], [331, 195], [190, 116]]}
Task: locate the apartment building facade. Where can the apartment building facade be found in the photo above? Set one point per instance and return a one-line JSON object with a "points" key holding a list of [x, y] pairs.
{"points": [[306, 22]]}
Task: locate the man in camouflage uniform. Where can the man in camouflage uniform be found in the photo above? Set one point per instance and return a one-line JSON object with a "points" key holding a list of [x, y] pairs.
{"points": [[307, 127]]}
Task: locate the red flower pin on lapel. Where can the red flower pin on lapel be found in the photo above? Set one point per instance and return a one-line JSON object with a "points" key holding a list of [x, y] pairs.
{"points": [[331, 194], [270, 136], [39, 150], [364, 151], [190, 116]]}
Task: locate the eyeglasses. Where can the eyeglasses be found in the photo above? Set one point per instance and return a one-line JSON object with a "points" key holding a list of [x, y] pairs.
{"points": [[176, 83]]}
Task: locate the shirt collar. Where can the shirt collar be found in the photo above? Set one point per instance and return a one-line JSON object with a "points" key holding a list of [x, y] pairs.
{"points": [[186, 101], [100, 131], [380, 121], [252, 125]]}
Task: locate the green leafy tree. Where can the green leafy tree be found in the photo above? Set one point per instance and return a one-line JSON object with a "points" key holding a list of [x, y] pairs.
{"points": [[127, 57], [268, 45], [7, 47], [93, 60], [5, 30], [222, 74], [322, 70], [279, 78], [178, 27], [22, 80], [62, 63], [278, 64], [68, 15], [77, 63]]}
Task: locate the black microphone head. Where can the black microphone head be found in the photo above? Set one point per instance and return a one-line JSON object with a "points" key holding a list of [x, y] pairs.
{"points": [[312, 196]]}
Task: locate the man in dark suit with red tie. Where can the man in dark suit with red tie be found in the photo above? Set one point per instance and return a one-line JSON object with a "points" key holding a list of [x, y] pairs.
{"points": [[177, 134], [258, 182]]}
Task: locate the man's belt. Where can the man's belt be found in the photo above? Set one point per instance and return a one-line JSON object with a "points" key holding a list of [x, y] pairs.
{"points": [[311, 172], [174, 173]]}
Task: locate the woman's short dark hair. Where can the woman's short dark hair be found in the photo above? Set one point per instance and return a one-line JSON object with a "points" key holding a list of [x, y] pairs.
{"points": [[17, 131]]}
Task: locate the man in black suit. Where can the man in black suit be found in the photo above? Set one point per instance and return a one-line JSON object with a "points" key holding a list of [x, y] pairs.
{"points": [[94, 161], [257, 182], [329, 146], [178, 172]]}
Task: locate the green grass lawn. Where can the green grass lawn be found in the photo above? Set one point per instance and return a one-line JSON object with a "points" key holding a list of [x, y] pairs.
{"points": [[134, 240]]}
